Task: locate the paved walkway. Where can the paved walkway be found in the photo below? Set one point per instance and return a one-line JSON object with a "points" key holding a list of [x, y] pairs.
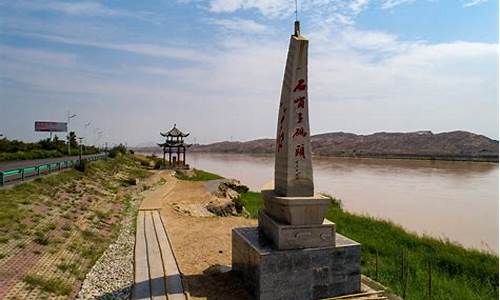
{"points": [[156, 274]]}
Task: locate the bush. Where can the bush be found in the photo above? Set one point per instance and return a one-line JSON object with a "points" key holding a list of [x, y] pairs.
{"points": [[117, 150], [158, 164]]}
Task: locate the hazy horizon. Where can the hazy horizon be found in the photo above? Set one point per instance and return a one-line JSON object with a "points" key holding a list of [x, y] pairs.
{"points": [[214, 67]]}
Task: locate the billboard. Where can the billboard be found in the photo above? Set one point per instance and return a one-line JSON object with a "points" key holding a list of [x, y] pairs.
{"points": [[51, 126]]}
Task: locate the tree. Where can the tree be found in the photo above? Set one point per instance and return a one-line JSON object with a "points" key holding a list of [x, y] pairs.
{"points": [[72, 140]]}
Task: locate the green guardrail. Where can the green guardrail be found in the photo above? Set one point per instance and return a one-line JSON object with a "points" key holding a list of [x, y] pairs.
{"points": [[31, 171]]}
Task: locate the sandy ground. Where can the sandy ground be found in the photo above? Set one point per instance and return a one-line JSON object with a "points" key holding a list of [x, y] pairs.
{"points": [[202, 245]]}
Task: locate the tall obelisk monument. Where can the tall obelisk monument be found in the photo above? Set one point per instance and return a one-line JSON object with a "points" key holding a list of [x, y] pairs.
{"points": [[295, 253], [293, 167]]}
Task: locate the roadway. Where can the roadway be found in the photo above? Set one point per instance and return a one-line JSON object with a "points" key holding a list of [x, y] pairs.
{"points": [[10, 165]]}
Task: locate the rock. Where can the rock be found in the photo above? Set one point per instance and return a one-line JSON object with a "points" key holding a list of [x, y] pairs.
{"points": [[222, 207], [227, 201], [234, 185]]}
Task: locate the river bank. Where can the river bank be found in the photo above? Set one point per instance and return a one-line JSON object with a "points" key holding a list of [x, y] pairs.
{"points": [[403, 261]]}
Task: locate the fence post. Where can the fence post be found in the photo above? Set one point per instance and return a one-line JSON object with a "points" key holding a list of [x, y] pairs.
{"points": [[2, 180], [22, 174]]}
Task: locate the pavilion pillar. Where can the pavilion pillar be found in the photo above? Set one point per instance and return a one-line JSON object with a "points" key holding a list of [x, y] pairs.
{"points": [[164, 156], [183, 156], [169, 156], [178, 154]]}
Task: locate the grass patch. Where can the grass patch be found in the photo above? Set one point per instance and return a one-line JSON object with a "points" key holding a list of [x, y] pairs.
{"points": [[252, 201], [198, 175], [70, 267], [54, 285], [457, 272]]}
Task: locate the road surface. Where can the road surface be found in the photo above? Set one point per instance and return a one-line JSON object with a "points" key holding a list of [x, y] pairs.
{"points": [[12, 165]]}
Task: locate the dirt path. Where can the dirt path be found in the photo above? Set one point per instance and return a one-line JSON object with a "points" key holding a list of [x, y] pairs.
{"points": [[202, 245]]}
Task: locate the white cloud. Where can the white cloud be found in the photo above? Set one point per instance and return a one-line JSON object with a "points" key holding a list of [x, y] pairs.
{"points": [[84, 9], [238, 24], [358, 5], [388, 4], [474, 3], [30, 55], [271, 8], [154, 50]]}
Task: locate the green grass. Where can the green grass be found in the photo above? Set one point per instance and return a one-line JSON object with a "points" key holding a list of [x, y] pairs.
{"points": [[252, 201], [457, 272], [54, 285], [199, 175]]}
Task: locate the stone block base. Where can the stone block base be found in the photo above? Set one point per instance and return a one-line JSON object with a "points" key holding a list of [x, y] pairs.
{"points": [[296, 210], [299, 274], [286, 236]]}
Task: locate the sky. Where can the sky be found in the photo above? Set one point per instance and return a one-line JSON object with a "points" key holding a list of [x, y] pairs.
{"points": [[214, 67]]}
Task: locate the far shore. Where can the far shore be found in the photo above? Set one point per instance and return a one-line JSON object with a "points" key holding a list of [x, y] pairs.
{"points": [[489, 159]]}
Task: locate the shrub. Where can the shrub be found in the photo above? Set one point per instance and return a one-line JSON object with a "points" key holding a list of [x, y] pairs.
{"points": [[117, 150]]}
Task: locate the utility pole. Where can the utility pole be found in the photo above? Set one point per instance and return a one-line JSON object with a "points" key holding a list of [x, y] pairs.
{"points": [[70, 116], [81, 145]]}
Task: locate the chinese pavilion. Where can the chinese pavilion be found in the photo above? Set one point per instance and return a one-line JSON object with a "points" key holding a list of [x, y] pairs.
{"points": [[174, 145]]}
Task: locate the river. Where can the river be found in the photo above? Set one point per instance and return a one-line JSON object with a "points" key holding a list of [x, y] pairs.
{"points": [[452, 200]]}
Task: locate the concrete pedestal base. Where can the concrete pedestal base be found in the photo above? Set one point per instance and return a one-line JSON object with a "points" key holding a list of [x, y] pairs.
{"points": [[286, 236], [299, 274], [296, 210]]}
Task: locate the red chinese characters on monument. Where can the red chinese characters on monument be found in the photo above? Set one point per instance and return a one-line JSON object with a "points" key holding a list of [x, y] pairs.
{"points": [[300, 102], [301, 86], [281, 135], [299, 132], [299, 151]]}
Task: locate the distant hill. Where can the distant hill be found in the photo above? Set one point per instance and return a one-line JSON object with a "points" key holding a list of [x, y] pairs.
{"points": [[455, 145]]}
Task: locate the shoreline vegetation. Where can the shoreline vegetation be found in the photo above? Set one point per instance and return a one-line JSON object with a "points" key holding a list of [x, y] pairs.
{"points": [[402, 261]]}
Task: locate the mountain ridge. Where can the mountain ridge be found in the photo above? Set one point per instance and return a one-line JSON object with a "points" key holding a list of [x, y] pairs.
{"points": [[453, 145]]}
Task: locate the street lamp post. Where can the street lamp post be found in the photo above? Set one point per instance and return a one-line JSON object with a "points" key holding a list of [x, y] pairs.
{"points": [[81, 145], [69, 140]]}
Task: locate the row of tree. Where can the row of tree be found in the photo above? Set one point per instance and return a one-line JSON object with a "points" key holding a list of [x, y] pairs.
{"points": [[18, 150]]}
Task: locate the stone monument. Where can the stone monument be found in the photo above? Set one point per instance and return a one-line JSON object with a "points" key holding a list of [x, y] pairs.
{"points": [[295, 253]]}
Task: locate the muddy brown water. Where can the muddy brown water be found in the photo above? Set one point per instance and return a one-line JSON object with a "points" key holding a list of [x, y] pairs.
{"points": [[453, 200]]}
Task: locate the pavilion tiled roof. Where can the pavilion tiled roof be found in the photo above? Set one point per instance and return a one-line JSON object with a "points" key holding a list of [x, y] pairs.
{"points": [[174, 132]]}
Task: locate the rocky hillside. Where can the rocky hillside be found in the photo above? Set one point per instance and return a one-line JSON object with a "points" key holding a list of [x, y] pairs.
{"points": [[455, 145]]}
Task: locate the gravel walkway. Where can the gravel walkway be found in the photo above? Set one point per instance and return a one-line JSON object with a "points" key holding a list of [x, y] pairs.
{"points": [[112, 275]]}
